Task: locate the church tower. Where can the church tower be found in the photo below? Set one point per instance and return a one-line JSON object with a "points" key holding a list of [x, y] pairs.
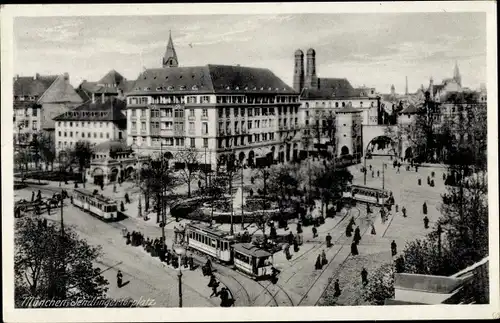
{"points": [[311, 77], [456, 75], [298, 72], [393, 90], [170, 58]]}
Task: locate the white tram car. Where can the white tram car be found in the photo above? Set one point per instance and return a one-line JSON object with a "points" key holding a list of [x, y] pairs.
{"points": [[221, 246], [96, 204]]}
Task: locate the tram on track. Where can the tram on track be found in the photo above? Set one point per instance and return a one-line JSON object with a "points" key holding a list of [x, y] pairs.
{"points": [[222, 247], [101, 206], [370, 195]]}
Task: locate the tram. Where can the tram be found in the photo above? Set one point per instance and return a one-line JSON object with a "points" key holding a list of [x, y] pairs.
{"points": [[222, 247], [96, 204], [369, 195], [252, 260], [212, 242]]}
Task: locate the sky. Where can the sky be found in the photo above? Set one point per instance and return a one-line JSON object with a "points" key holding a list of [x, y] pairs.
{"points": [[372, 49]]}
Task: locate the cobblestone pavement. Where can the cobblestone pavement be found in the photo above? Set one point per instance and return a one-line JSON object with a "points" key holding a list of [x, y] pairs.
{"points": [[299, 283]]}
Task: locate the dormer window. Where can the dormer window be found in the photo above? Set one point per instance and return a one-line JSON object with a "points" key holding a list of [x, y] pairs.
{"points": [[183, 87], [147, 88], [237, 88], [246, 87], [158, 88], [195, 87], [261, 88], [270, 89], [255, 88], [228, 87], [170, 88]]}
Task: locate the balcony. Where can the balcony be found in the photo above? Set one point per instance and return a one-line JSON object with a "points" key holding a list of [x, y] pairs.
{"points": [[133, 131], [191, 118]]}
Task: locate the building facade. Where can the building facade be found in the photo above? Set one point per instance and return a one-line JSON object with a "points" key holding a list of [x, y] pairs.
{"points": [[324, 99], [221, 111], [95, 122]]}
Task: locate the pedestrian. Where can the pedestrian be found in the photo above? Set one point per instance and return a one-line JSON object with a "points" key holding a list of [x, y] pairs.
{"points": [[32, 196], [373, 174], [299, 228], [352, 222], [354, 248], [122, 206], [186, 262], [214, 288], [287, 252], [315, 232], [398, 170], [370, 167], [128, 238], [44, 223], [119, 278], [290, 238], [39, 195], [212, 280], [336, 287], [386, 164], [426, 222], [378, 173], [357, 234], [416, 168], [364, 276], [394, 247], [318, 263], [428, 180], [127, 198], [348, 230], [48, 208], [295, 245], [397, 207], [199, 184], [368, 210], [102, 186], [328, 240], [191, 262], [404, 211], [373, 230], [323, 258], [114, 187], [424, 208]]}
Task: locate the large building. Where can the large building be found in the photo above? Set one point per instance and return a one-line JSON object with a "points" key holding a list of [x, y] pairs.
{"points": [[37, 100], [111, 85], [219, 110], [95, 121], [333, 98]]}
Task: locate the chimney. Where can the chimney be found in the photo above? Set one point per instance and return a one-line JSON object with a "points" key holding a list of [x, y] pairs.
{"points": [[93, 98]]}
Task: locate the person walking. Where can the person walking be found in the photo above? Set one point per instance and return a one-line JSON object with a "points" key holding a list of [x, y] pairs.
{"points": [[318, 263], [426, 222], [315, 232], [364, 276], [328, 240], [32, 196], [215, 285], [191, 263], [119, 278], [424, 208], [373, 230], [378, 173], [404, 211], [354, 249], [357, 235], [394, 249], [336, 287], [324, 261]]}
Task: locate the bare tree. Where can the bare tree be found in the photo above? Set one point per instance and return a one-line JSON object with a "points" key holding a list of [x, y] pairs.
{"points": [[190, 158]]}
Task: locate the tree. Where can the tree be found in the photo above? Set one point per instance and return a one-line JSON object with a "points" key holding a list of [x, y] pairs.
{"points": [[215, 190], [331, 182], [46, 148], [82, 153], [283, 183], [381, 285], [48, 265], [156, 181], [189, 157]]}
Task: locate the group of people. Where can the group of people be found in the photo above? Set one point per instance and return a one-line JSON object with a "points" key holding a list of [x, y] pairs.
{"points": [[357, 236], [321, 261], [157, 248]]}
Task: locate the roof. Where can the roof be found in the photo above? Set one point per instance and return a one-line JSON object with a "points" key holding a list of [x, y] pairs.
{"points": [[111, 146], [411, 109], [112, 77], [251, 250], [33, 86], [331, 88], [60, 91], [206, 228], [110, 110], [210, 79]]}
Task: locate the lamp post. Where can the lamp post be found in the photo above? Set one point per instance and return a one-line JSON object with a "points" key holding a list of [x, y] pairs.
{"points": [[383, 175], [180, 251]]}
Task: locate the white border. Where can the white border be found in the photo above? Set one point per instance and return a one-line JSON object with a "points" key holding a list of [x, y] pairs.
{"points": [[247, 314]]}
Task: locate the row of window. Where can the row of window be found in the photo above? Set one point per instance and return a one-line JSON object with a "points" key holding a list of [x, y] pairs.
{"points": [[214, 243], [178, 142], [25, 112], [244, 140], [89, 134], [202, 99], [24, 124], [92, 124], [251, 112], [324, 104]]}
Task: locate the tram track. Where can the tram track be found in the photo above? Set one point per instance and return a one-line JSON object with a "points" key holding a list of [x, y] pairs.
{"points": [[330, 263], [340, 266], [242, 288]]}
